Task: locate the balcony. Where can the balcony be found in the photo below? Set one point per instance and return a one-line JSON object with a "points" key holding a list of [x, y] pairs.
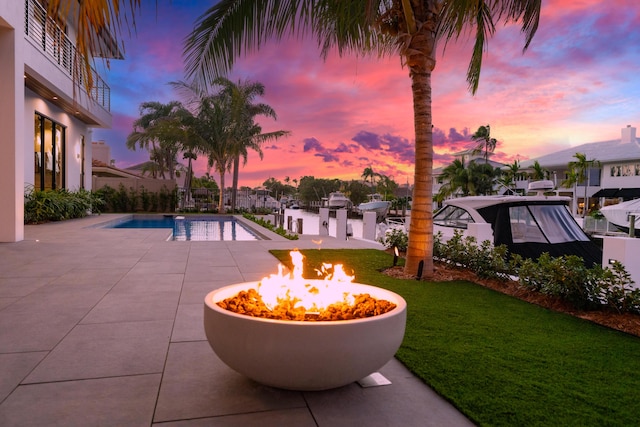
{"points": [[52, 40]]}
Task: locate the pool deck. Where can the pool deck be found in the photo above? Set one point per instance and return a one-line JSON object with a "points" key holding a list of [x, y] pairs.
{"points": [[104, 327]]}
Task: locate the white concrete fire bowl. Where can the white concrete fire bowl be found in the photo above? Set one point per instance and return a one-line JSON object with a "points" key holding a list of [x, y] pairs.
{"points": [[298, 355]]}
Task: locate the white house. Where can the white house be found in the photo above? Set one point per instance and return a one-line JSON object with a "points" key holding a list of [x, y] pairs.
{"points": [[617, 177], [46, 116]]}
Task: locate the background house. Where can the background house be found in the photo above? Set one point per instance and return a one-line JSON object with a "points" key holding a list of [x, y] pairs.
{"points": [[616, 178], [46, 116]]}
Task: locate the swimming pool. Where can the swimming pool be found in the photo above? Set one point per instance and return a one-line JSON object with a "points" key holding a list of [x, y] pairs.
{"points": [[209, 228]]}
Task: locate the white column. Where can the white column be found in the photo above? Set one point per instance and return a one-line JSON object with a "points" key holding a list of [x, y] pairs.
{"points": [[369, 225], [11, 135], [323, 222], [341, 224], [624, 250]]}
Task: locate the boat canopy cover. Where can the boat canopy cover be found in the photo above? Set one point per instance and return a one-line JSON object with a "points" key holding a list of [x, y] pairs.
{"points": [[619, 214], [532, 228]]}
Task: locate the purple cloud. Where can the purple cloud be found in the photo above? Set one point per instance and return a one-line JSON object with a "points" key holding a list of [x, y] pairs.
{"points": [[312, 144]]}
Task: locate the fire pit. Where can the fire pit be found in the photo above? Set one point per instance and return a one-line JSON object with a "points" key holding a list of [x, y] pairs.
{"points": [[304, 355]]}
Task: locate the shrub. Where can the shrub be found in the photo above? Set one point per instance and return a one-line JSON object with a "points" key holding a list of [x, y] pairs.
{"points": [[484, 259], [123, 200], [395, 238], [616, 291], [565, 277], [279, 230], [57, 205], [145, 199]]}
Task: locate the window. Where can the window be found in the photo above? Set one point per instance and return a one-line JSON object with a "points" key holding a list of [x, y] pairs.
{"points": [[452, 216], [49, 154], [592, 178], [544, 223]]}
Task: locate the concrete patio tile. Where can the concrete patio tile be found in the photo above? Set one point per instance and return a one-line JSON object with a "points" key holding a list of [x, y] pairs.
{"points": [[123, 401], [106, 350], [159, 267], [406, 402], [40, 320], [21, 286], [168, 251], [194, 292], [296, 417], [189, 323], [230, 274], [197, 384], [136, 282], [211, 256], [111, 262], [42, 270], [134, 307], [99, 278], [5, 302], [14, 367]]}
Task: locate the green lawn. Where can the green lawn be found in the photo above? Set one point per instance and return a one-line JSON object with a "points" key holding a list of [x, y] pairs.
{"points": [[502, 361]]}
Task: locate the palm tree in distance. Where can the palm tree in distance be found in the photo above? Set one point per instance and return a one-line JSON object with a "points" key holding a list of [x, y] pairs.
{"points": [[246, 134], [409, 28], [368, 173], [538, 171], [510, 175], [155, 132], [579, 172], [485, 143]]}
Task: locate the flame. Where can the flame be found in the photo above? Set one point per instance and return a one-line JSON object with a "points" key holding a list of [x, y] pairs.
{"points": [[292, 287]]}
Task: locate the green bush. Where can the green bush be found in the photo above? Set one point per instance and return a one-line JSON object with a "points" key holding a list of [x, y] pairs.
{"points": [[565, 277], [395, 238], [129, 200], [57, 205], [278, 230], [484, 259]]}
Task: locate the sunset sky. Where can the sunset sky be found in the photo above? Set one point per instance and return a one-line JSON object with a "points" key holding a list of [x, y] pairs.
{"points": [[579, 82]]}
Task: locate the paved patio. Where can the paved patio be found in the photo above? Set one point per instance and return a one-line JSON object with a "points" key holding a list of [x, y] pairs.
{"points": [[104, 327]]}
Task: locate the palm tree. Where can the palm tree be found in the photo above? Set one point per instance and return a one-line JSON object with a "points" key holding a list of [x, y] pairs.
{"points": [[467, 180], [483, 178], [579, 172], [155, 131], [190, 156], [212, 130], [510, 175], [538, 172], [452, 178], [94, 19], [486, 143], [246, 133], [368, 173], [409, 28]]}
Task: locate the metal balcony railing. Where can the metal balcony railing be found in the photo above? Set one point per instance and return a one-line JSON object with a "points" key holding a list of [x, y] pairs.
{"points": [[52, 40]]}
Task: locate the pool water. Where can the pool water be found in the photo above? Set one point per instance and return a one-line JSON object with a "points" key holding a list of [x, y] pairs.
{"points": [[194, 229]]}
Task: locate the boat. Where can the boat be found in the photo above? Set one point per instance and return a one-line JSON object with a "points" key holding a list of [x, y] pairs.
{"points": [[620, 215], [337, 200], [375, 204], [528, 225]]}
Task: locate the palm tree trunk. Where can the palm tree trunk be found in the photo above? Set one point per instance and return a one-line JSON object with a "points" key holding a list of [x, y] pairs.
{"points": [[221, 201], [234, 183], [187, 193], [420, 248]]}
